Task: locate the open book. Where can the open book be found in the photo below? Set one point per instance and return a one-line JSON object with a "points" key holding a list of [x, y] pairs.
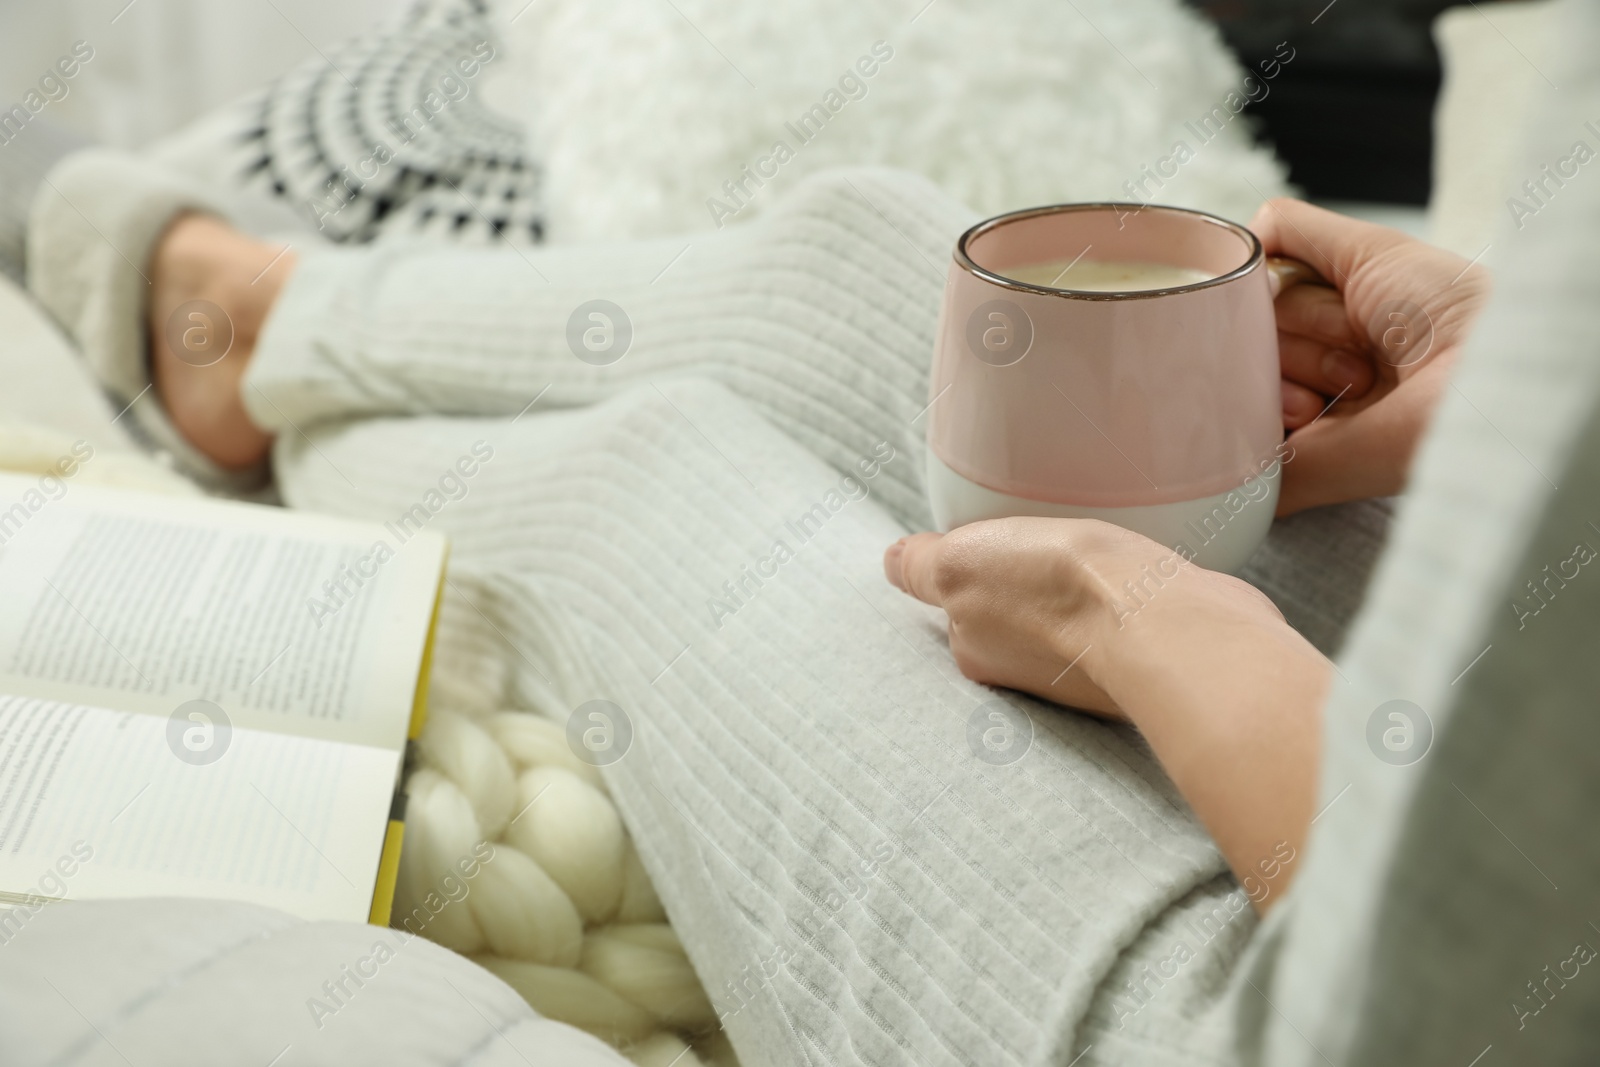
{"points": [[200, 698]]}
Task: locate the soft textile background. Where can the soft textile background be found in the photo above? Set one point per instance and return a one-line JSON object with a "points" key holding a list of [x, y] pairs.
{"points": [[163, 62], [642, 110]]}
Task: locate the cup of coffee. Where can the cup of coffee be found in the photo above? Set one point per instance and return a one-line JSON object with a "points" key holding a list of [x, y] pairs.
{"points": [[1114, 362]]}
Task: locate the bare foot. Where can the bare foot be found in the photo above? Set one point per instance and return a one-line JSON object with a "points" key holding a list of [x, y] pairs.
{"points": [[211, 288]]}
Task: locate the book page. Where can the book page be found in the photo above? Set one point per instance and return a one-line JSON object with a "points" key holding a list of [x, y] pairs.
{"points": [[287, 621], [97, 803]]}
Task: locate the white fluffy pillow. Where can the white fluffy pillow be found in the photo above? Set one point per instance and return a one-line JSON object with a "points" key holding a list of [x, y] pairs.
{"points": [[642, 109]]}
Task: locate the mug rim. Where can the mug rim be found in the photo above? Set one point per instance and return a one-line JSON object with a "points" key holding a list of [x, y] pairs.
{"points": [[965, 262]]}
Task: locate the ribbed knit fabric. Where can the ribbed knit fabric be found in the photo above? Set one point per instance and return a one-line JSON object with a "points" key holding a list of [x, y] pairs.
{"points": [[822, 319], [855, 884], [1442, 905]]}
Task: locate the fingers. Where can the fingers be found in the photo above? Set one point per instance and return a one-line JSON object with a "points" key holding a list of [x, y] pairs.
{"points": [[1319, 313], [1365, 454], [1329, 371], [1300, 405], [1320, 350], [1332, 243], [910, 565]]}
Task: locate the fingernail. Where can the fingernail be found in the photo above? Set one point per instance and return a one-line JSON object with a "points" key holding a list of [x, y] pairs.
{"points": [[1345, 371], [1297, 404], [891, 563]]}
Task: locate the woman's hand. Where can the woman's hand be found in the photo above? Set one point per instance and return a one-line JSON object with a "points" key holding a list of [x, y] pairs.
{"points": [[1381, 342], [1029, 597], [1088, 614]]}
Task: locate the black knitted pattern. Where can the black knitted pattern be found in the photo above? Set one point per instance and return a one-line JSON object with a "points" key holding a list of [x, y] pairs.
{"points": [[388, 135]]}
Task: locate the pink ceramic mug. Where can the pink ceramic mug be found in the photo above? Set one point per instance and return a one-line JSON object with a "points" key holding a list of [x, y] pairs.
{"points": [[1156, 409]]}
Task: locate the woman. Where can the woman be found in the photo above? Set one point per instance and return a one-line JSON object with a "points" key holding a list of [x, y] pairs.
{"points": [[859, 874], [1026, 597]]}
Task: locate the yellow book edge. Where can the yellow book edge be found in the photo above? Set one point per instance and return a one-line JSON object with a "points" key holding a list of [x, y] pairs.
{"points": [[419, 703], [394, 836], [388, 873]]}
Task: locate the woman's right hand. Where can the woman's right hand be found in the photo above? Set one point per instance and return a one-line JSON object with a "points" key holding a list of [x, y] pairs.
{"points": [[1364, 362]]}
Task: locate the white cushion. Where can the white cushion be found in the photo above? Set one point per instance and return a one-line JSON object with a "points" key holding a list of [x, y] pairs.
{"points": [[50, 406], [46, 383]]}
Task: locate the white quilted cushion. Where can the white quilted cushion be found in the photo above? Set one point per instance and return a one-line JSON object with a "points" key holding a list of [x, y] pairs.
{"points": [[198, 983]]}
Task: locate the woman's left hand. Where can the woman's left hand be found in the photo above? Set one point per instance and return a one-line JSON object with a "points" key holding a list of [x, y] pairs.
{"points": [[1088, 614]]}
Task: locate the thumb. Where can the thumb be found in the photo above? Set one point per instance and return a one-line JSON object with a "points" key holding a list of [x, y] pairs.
{"points": [[1333, 245], [909, 565]]}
